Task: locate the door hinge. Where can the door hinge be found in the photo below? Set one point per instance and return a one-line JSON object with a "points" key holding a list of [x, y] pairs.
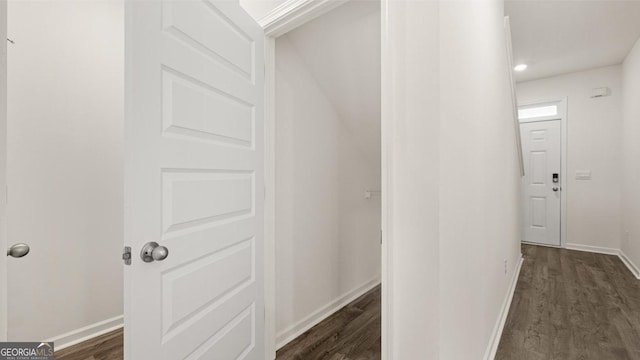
{"points": [[126, 255]]}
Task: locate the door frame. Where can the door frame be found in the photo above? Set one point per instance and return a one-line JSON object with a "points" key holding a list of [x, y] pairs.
{"points": [[3, 170], [562, 116], [283, 19]]}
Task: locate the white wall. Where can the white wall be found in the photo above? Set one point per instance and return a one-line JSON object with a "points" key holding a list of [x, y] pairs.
{"points": [[65, 121], [631, 151], [411, 155], [454, 177], [348, 74], [595, 144], [479, 177], [327, 233]]}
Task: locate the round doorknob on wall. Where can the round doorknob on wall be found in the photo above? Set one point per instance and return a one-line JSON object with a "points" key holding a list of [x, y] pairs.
{"points": [[152, 251], [18, 250]]}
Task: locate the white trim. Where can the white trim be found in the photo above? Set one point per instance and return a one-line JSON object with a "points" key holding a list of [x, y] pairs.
{"points": [[269, 198], [3, 171], [593, 249], [294, 13], [387, 137], [563, 116], [635, 270], [494, 341], [514, 97], [297, 329], [88, 332], [564, 110]]}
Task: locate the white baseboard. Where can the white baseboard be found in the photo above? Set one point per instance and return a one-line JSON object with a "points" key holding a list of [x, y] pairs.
{"points": [[297, 329], [88, 332], [635, 270], [494, 341], [593, 249]]}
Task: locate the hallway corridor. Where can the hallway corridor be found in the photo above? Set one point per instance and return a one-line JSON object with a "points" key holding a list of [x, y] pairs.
{"points": [[572, 305]]}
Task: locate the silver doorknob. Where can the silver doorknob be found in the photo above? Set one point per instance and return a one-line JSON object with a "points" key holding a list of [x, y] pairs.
{"points": [[152, 251], [555, 188], [18, 250]]}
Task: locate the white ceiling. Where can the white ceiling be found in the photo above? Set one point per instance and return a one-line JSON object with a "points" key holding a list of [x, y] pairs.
{"points": [[341, 49], [561, 36]]}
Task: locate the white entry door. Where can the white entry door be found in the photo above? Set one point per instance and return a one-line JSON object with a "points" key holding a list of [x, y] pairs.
{"points": [[541, 149], [193, 181]]}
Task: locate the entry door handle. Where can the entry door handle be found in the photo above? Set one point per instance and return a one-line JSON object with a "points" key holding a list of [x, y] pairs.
{"points": [[555, 188], [152, 251], [18, 250]]}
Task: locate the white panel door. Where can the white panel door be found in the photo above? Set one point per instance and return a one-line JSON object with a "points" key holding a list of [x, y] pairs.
{"points": [[194, 181], [542, 159]]}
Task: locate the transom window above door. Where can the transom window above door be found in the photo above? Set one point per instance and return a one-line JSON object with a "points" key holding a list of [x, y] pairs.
{"points": [[537, 111]]}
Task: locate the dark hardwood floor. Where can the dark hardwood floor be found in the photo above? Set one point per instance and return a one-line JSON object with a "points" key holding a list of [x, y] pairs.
{"points": [[567, 305], [352, 333], [572, 305], [105, 347]]}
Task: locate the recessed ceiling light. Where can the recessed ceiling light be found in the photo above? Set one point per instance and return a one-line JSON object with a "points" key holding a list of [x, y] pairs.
{"points": [[520, 67]]}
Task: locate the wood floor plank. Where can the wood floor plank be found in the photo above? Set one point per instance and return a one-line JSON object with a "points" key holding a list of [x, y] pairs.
{"points": [[572, 305], [352, 333], [568, 305], [105, 347]]}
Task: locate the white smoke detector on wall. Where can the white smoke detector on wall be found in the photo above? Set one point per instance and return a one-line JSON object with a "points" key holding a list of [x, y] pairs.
{"points": [[600, 92]]}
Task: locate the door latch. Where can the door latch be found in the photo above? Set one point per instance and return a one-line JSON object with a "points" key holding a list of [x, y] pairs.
{"points": [[126, 255]]}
